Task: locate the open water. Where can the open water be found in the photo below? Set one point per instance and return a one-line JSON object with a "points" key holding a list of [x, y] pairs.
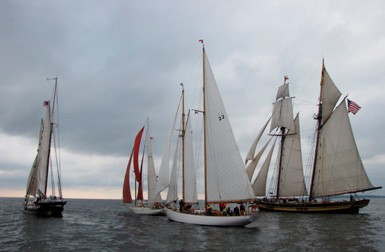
{"points": [[106, 225]]}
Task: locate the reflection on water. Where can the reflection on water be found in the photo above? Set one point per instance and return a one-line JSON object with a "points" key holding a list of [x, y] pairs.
{"points": [[107, 225]]}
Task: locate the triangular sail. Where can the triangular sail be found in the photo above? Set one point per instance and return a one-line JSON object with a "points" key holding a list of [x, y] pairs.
{"points": [[251, 167], [339, 168], [172, 193], [127, 198], [164, 169], [329, 95], [32, 178], [226, 176], [292, 181], [37, 180], [190, 189], [250, 154], [138, 172], [259, 184], [151, 174]]}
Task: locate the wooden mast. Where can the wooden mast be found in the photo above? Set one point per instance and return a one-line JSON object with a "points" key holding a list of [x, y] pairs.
{"points": [[319, 121], [183, 135], [280, 155], [204, 123]]}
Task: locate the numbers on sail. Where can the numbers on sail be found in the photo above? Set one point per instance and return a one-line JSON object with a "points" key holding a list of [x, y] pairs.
{"points": [[221, 116]]}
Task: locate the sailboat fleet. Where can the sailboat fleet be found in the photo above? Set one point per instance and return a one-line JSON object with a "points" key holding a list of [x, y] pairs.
{"points": [[228, 181]]}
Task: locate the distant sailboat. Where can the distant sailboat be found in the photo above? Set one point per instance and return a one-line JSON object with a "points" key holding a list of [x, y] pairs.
{"points": [[138, 205], [337, 167], [225, 180], [37, 200]]}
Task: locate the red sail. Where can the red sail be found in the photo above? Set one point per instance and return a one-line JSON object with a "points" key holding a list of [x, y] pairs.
{"points": [[126, 185], [136, 156], [138, 173]]}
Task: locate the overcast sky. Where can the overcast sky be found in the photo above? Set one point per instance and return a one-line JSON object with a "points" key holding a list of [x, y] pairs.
{"points": [[119, 62]]}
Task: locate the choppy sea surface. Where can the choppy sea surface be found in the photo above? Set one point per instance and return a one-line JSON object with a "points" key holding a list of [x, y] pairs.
{"points": [[106, 225]]}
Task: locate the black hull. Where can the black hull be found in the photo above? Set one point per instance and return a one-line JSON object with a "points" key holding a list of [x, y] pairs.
{"points": [[351, 207], [46, 208]]}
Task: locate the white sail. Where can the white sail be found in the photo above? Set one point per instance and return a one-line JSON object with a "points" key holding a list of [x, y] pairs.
{"points": [[329, 95], [250, 154], [282, 114], [259, 184], [251, 167], [226, 174], [164, 169], [32, 178], [283, 91], [339, 168], [151, 175], [37, 181], [292, 181], [190, 190], [172, 193]]}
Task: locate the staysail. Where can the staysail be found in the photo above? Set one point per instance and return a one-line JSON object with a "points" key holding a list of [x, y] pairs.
{"points": [[151, 174], [250, 154], [190, 190], [259, 184]]}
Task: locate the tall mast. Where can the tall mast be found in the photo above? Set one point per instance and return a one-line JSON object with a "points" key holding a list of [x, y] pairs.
{"points": [[51, 116], [183, 135], [281, 151], [204, 123], [319, 121]]}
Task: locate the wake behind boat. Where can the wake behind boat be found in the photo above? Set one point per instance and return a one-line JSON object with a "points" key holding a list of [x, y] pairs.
{"points": [[225, 178], [36, 199], [139, 206], [337, 167]]}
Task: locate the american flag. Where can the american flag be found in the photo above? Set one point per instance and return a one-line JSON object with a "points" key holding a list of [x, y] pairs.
{"points": [[353, 107]]}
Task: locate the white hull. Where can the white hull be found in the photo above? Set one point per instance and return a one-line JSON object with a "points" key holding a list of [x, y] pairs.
{"points": [[224, 221], [145, 210]]}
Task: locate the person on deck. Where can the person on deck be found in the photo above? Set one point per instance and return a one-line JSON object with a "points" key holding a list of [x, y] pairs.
{"points": [[181, 205], [242, 209], [236, 210]]}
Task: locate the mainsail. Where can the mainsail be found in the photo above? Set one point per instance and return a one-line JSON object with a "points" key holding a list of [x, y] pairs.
{"points": [[338, 167], [127, 198], [226, 177], [37, 180]]}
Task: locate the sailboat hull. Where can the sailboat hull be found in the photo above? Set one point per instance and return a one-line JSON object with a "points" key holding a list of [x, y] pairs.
{"points": [[204, 220], [314, 207], [145, 210], [48, 208]]}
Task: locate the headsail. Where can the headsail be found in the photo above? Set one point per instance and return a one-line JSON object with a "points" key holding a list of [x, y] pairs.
{"points": [[190, 190], [151, 174], [250, 154], [259, 184], [37, 181], [164, 169]]}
